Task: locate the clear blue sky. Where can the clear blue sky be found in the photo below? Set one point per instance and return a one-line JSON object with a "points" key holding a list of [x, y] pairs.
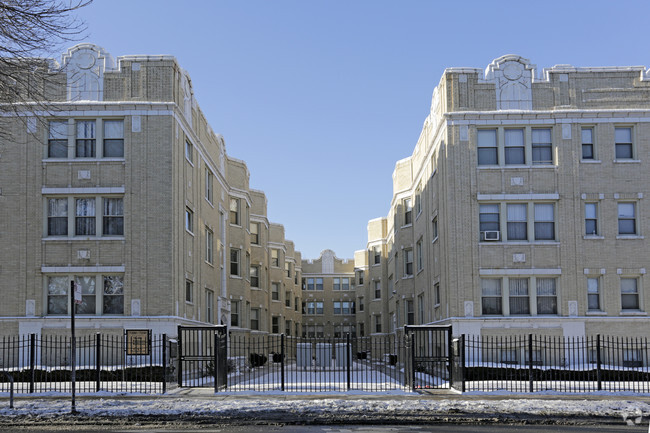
{"points": [[322, 97]]}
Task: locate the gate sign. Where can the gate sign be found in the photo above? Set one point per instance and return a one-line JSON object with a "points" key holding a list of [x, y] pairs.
{"points": [[138, 341]]}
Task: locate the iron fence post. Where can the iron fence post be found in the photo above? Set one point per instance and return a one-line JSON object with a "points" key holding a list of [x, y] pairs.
{"points": [[282, 361], [32, 362], [412, 372], [179, 349], [215, 362], [450, 354], [348, 360], [599, 377], [98, 357], [164, 363], [530, 362], [462, 362]]}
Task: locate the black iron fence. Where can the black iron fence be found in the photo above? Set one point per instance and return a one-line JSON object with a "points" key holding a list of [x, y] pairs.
{"points": [[38, 363], [532, 363]]}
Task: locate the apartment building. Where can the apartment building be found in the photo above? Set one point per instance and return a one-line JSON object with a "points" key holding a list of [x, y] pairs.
{"points": [[329, 302], [521, 209], [117, 182]]}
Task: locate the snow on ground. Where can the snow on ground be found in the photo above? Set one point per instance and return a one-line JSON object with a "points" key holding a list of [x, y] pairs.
{"points": [[386, 404]]}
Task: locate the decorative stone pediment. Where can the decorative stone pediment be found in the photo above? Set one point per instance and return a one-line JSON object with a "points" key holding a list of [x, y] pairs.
{"points": [[85, 65], [327, 257], [512, 76]]}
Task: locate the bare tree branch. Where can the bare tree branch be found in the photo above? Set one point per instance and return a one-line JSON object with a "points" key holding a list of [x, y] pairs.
{"points": [[31, 32]]}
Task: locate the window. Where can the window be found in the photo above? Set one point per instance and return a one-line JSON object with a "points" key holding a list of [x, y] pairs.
{"points": [[377, 323], [337, 307], [517, 222], [85, 144], [377, 285], [408, 211], [418, 202], [519, 300], [234, 261], [113, 139], [310, 284], [234, 211], [623, 143], [113, 297], [489, 222], [336, 283], [487, 147], [360, 276], [287, 327], [275, 291], [544, 222], [113, 218], [209, 306], [546, 296], [287, 269], [287, 299], [345, 284], [109, 301], [361, 306], [296, 303], [418, 253], [588, 143], [491, 296], [514, 147], [434, 228], [85, 217], [275, 325], [410, 312], [633, 357], [591, 219], [629, 294], [377, 255], [234, 313], [319, 307], [88, 298], [209, 181], [362, 329], [57, 217], [319, 284], [255, 276], [209, 247], [275, 258], [255, 319], [593, 294], [189, 291], [189, 151], [436, 294], [420, 309], [542, 146], [255, 233], [189, 220], [57, 143], [408, 262], [626, 219], [57, 295]]}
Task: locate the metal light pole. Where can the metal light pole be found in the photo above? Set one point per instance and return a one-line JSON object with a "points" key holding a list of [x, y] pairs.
{"points": [[75, 298]]}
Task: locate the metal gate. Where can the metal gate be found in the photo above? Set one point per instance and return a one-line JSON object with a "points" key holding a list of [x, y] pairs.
{"points": [[430, 354], [202, 358]]}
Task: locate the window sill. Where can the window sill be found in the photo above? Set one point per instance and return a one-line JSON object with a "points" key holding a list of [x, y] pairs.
{"points": [[591, 161], [82, 160], [236, 277], [515, 166], [420, 271], [209, 264], [82, 238], [594, 237], [405, 226], [633, 313], [510, 243], [623, 237], [189, 232], [596, 313], [210, 203], [434, 240], [407, 277], [627, 161]]}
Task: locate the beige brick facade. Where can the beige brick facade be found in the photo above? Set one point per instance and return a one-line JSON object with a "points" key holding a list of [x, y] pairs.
{"points": [[121, 185], [523, 207]]}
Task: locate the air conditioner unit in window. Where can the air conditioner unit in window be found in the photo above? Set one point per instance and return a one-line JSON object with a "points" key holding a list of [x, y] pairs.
{"points": [[492, 235]]}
